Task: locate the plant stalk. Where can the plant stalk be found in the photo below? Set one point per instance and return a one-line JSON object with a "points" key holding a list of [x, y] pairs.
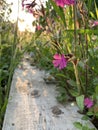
{"points": [[77, 78], [75, 33]]}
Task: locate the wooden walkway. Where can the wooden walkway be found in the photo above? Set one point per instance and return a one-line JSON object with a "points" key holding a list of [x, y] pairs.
{"points": [[33, 105]]}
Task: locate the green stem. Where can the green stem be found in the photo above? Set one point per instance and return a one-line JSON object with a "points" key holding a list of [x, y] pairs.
{"points": [[75, 45], [86, 68], [77, 78], [75, 34]]}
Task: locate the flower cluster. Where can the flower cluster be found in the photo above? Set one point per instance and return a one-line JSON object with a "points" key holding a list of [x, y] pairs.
{"points": [[62, 3]]}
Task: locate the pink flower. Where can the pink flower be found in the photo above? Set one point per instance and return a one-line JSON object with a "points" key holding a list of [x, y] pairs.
{"points": [[88, 102], [38, 27], [95, 23], [62, 3], [59, 61]]}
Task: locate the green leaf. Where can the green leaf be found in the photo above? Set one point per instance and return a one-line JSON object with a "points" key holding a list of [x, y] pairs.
{"points": [[96, 114], [95, 82], [81, 64], [80, 102], [61, 98], [96, 90], [74, 93], [85, 118], [92, 129], [92, 15], [4, 106], [85, 128], [61, 75], [78, 125], [90, 113], [72, 82], [96, 9]]}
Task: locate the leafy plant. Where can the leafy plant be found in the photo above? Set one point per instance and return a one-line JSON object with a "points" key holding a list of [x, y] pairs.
{"points": [[80, 126], [80, 102], [71, 45]]}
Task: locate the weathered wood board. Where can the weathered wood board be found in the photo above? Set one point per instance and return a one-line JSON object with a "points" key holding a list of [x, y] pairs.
{"points": [[32, 102]]}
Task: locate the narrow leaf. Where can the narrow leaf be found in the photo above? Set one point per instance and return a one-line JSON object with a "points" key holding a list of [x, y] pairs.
{"points": [[80, 102], [72, 82], [90, 113], [78, 125], [96, 9]]}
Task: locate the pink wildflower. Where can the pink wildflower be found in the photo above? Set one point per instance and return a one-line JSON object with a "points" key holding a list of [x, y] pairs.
{"points": [[95, 23], [62, 3], [59, 61], [88, 102], [38, 27]]}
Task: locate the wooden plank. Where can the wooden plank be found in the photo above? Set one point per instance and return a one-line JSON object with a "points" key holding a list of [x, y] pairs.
{"points": [[32, 104]]}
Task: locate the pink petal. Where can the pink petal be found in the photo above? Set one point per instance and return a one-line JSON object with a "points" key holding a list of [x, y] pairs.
{"points": [[57, 56], [88, 102], [62, 3], [95, 23], [63, 62], [59, 61], [69, 2], [56, 63]]}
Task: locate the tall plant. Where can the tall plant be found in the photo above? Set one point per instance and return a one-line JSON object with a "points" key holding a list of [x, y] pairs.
{"points": [[68, 25], [8, 55], [72, 29]]}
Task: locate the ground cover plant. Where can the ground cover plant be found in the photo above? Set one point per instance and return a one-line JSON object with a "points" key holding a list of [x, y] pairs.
{"points": [[71, 27]]}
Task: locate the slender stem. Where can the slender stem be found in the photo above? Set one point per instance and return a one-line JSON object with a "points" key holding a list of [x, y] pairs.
{"points": [[75, 34], [0, 60], [77, 78], [75, 45], [86, 67], [86, 55]]}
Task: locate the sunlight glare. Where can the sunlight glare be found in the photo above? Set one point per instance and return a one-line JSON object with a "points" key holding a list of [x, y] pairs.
{"points": [[25, 19]]}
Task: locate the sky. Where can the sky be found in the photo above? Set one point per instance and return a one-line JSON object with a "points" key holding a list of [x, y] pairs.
{"points": [[24, 19]]}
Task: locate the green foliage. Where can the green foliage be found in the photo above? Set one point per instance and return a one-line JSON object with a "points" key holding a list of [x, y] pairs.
{"points": [[69, 31], [80, 102], [10, 56], [80, 126], [62, 96], [94, 110], [42, 54]]}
